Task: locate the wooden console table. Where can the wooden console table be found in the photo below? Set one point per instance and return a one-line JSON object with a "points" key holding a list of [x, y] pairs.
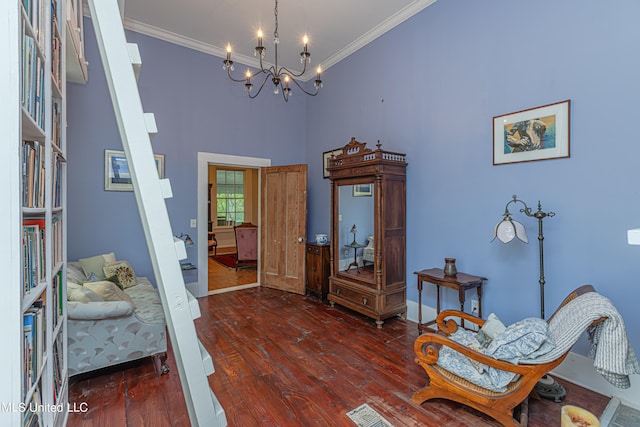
{"points": [[460, 282]]}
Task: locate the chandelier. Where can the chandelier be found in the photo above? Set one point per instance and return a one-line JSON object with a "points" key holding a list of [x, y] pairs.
{"points": [[281, 77]]}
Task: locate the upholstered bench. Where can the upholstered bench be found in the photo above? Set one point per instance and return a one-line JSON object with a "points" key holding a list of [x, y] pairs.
{"points": [[123, 326]]}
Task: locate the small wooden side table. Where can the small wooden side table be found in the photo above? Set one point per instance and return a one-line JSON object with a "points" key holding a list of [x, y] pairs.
{"points": [[461, 282], [355, 247]]}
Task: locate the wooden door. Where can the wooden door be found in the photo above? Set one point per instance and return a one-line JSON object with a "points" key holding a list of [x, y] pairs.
{"points": [[283, 227]]}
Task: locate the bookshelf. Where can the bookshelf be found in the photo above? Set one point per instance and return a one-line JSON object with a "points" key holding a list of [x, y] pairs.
{"points": [[33, 215]]}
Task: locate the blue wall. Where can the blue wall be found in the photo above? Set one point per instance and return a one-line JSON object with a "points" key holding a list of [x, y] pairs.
{"points": [[443, 75], [196, 109]]}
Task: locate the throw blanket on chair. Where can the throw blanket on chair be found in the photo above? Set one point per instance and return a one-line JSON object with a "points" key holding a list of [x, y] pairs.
{"points": [[613, 355]]}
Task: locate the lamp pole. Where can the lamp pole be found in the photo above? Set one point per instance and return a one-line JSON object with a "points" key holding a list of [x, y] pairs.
{"points": [[539, 215]]}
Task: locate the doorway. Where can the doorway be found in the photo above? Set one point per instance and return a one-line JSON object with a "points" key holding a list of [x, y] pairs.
{"points": [[232, 200], [201, 287]]}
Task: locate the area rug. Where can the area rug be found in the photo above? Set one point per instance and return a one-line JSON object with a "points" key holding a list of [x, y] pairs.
{"points": [[365, 416], [229, 261]]}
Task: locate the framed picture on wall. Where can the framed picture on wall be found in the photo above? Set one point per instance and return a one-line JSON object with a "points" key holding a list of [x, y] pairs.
{"points": [[116, 170], [325, 160], [538, 133], [360, 190]]}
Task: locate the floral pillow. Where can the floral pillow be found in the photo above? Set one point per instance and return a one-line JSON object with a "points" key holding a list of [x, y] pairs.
{"points": [[123, 271]]}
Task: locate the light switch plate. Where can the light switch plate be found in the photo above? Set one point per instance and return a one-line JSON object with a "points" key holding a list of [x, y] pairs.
{"points": [[193, 223]]}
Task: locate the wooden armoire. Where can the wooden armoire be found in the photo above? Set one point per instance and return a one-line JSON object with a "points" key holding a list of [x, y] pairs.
{"points": [[368, 209]]}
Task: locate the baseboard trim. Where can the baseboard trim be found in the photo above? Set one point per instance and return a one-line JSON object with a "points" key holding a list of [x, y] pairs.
{"points": [[233, 288], [575, 368]]}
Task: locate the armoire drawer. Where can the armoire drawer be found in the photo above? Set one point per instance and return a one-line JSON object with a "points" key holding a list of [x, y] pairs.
{"points": [[358, 297]]}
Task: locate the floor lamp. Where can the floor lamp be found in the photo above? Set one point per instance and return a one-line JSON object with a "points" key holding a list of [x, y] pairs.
{"points": [[506, 231]]}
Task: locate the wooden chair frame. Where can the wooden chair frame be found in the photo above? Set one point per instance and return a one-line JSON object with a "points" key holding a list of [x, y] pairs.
{"points": [[446, 385]]}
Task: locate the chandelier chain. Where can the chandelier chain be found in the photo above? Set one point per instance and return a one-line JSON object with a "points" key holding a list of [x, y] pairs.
{"points": [[275, 12]]}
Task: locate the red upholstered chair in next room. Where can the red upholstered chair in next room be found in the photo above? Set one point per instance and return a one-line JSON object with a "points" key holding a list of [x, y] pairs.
{"points": [[246, 244]]}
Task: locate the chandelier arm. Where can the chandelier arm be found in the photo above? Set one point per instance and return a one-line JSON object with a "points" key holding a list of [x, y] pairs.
{"points": [[291, 73], [266, 77], [304, 90], [235, 80], [270, 69]]}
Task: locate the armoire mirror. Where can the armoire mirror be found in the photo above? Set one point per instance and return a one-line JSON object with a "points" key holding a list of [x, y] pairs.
{"points": [[356, 230]]}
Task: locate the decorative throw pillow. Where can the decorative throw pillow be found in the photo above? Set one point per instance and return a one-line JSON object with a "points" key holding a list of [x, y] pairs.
{"points": [[94, 264], [79, 293], [110, 257], [123, 271], [83, 295], [108, 291], [491, 329], [75, 274]]}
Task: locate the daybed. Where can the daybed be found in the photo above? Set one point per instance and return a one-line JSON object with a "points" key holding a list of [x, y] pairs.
{"points": [[110, 324]]}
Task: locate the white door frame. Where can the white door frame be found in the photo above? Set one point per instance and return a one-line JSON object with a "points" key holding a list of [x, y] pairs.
{"points": [[201, 287]]}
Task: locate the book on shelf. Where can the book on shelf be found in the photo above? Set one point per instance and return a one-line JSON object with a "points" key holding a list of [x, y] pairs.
{"points": [[32, 80], [29, 373], [56, 180], [56, 65], [56, 239], [57, 301], [34, 235], [32, 263], [56, 114], [34, 331], [33, 174], [58, 363]]}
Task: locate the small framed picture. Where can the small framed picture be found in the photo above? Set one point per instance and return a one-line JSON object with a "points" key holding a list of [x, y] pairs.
{"points": [[361, 190], [116, 170], [539, 133], [326, 156]]}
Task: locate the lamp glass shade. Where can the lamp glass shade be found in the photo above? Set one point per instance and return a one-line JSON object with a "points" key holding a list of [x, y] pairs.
{"points": [[507, 230]]}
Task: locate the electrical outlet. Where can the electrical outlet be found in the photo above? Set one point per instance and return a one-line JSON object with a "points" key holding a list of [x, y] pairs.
{"points": [[346, 253], [474, 307], [193, 223]]}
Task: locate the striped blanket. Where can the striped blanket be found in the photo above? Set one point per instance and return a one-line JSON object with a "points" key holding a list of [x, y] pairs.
{"points": [[613, 356]]}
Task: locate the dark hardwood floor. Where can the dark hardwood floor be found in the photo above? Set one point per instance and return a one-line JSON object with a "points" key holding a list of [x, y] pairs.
{"points": [[287, 360]]}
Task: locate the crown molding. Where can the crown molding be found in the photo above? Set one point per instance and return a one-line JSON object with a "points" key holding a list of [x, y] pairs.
{"points": [[180, 40], [377, 31], [380, 29]]}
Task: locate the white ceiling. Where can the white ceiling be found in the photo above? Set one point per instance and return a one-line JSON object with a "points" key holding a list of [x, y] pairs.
{"points": [[336, 28]]}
